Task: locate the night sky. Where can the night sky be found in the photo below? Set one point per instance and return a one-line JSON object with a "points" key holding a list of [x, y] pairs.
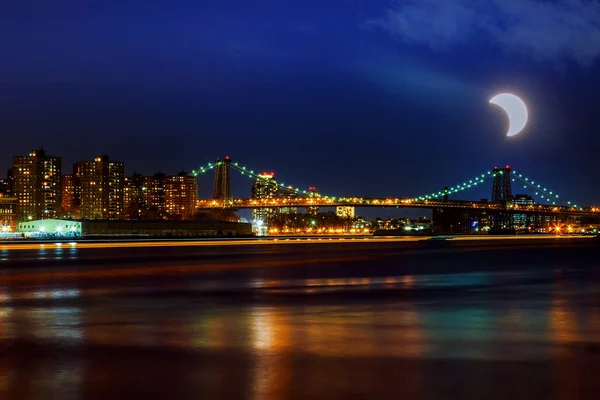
{"points": [[356, 97]]}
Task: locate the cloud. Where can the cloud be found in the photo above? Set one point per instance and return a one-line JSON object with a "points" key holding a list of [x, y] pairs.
{"points": [[545, 30]]}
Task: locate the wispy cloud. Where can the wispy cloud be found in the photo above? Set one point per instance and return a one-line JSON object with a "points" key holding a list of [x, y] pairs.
{"points": [[545, 30]]}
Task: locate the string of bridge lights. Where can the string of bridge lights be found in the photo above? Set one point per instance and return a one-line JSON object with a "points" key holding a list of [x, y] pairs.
{"points": [[529, 184], [540, 190], [460, 187], [246, 171]]}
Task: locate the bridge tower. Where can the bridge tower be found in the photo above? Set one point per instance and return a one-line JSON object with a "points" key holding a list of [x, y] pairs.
{"points": [[501, 189], [222, 183], [502, 222]]}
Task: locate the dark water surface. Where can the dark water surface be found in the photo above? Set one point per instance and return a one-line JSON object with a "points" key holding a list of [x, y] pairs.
{"points": [[416, 320]]}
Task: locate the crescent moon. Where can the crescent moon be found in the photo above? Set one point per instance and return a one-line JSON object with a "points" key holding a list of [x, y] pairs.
{"points": [[516, 110]]}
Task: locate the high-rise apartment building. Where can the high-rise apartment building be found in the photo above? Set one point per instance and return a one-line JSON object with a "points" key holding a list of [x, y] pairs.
{"points": [[154, 194], [102, 182], [287, 193], [4, 187], [133, 197], [10, 182], [133, 190], [71, 196], [264, 187], [36, 185], [181, 196]]}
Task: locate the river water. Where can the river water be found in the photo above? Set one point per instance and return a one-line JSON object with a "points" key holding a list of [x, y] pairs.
{"points": [[352, 319]]}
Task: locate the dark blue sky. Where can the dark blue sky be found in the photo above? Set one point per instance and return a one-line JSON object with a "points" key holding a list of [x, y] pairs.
{"points": [[366, 97]]}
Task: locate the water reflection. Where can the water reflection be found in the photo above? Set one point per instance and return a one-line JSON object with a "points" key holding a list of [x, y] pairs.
{"points": [[66, 340], [270, 335]]}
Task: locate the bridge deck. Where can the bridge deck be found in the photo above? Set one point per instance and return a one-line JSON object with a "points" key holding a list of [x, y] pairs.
{"points": [[399, 203]]}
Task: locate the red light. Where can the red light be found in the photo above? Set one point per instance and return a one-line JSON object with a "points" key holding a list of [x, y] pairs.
{"points": [[507, 166], [227, 157]]}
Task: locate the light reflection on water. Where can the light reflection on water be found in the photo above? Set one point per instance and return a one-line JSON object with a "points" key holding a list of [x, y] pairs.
{"points": [[271, 340], [407, 281], [274, 336]]}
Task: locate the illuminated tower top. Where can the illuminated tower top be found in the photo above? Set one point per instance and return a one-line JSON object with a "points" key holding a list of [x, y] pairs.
{"points": [[264, 186]]}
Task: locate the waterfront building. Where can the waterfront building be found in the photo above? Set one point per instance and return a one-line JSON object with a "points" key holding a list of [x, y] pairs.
{"points": [[133, 190], [57, 228], [287, 193], [36, 185], [521, 221], [8, 214], [4, 187], [102, 183], [133, 197], [71, 196], [264, 187], [154, 194], [181, 196]]}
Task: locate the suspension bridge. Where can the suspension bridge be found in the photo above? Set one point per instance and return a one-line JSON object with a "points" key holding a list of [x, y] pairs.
{"points": [[547, 202]]}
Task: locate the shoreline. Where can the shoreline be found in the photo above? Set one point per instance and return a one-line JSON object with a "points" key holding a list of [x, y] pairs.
{"points": [[114, 242]]}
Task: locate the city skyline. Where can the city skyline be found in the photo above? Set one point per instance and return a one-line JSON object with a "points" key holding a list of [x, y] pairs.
{"points": [[349, 91], [213, 169]]}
